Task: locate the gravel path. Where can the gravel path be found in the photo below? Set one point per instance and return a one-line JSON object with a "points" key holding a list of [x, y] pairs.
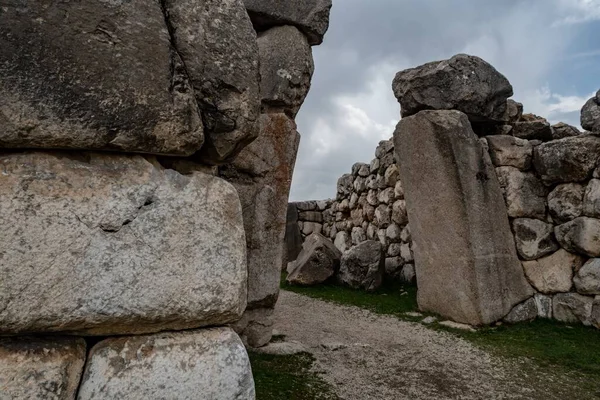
{"points": [[368, 356]]}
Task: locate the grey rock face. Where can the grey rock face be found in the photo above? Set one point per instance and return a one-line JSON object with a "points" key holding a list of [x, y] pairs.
{"points": [[344, 185], [554, 273], [544, 305], [342, 241], [255, 328], [464, 83], [218, 46], [363, 266], [590, 114], [317, 262], [293, 235], [510, 151], [587, 279], [114, 239], [533, 128], [562, 130], [596, 313], [571, 159], [565, 202], [286, 68], [534, 238], [591, 199], [572, 308], [582, 235], [524, 193], [41, 369], [94, 76], [210, 363], [462, 230], [514, 111], [524, 312], [310, 16]]}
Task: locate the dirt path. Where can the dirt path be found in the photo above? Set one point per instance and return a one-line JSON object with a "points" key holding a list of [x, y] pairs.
{"points": [[367, 356]]}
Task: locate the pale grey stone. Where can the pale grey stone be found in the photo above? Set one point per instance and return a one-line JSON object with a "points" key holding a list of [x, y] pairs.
{"points": [[408, 273], [358, 235], [384, 147], [562, 130], [458, 326], [554, 273], [255, 328], [394, 233], [210, 363], [344, 206], [317, 262], [360, 184], [363, 266], [381, 235], [510, 151], [283, 348], [309, 228], [544, 305], [114, 239], [534, 238], [565, 202], [342, 241], [310, 216], [399, 212], [405, 236], [394, 249], [524, 312], [372, 198], [322, 205], [345, 185], [374, 166], [357, 217], [391, 176], [587, 279], [399, 190], [356, 167], [590, 114], [386, 196], [364, 170], [41, 368], [591, 199], [572, 308], [406, 253], [525, 195], [582, 235], [429, 320], [383, 216]]}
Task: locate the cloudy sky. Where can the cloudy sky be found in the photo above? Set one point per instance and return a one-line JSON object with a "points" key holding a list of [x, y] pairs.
{"points": [[548, 49]]}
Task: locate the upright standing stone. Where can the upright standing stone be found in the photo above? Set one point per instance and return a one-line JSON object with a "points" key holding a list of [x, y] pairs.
{"points": [[468, 268], [293, 236]]}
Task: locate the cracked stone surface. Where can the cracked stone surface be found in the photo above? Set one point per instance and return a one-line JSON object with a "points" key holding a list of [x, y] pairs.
{"points": [[105, 244]]}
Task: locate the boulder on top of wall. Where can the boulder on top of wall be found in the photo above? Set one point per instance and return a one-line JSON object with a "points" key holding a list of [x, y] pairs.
{"points": [[306, 205], [572, 308], [554, 273], [399, 190], [565, 202], [286, 68], [572, 159], [344, 185], [582, 235], [464, 83], [363, 266], [356, 167], [63, 76], [532, 127], [590, 114], [311, 216], [374, 166], [591, 199], [514, 111], [317, 262], [525, 195], [524, 312], [562, 130], [310, 16], [384, 147], [534, 238], [510, 151], [587, 279], [360, 184]]}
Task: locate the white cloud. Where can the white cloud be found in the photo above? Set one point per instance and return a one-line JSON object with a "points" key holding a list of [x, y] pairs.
{"points": [[555, 107], [578, 11]]}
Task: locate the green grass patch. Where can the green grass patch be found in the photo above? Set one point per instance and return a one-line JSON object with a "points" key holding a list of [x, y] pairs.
{"points": [[288, 377]]}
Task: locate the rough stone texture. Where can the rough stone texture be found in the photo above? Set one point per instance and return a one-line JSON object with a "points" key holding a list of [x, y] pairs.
{"points": [[460, 228], [524, 193], [310, 16], [533, 128], [317, 262], [533, 238], [590, 114], [293, 236], [408, 273], [262, 175], [286, 68], [40, 368], [342, 241], [565, 202], [524, 312], [465, 83], [510, 151], [363, 266], [544, 305], [596, 313], [64, 73], [571, 159], [572, 308], [587, 279], [218, 46], [255, 327], [554, 273], [582, 235], [562, 130], [114, 244], [591, 199], [208, 364]]}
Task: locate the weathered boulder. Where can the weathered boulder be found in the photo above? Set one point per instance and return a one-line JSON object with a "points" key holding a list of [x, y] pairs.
{"points": [[572, 159], [532, 127], [399, 213], [344, 186], [358, 235], [255, 327], [310, 16], [464, 83], [562, 130], [590, 114], [565, 202], [534, 238], [554, 273], [363, 266], [317, 262], [460, 228], [524, 312], [218, 46], [510, 151], [572, 308], [524, 193], [408, 273], [383, 216], [342, 241], [95, 75], [591, 199], [587, 279], [41, 368], [293, 235], [110, 241], [514, 111], [286, 68], [210, 363], [582, 235]]}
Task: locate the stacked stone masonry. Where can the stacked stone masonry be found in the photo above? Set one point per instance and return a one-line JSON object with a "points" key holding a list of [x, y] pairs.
{"points": [[147, 150]]}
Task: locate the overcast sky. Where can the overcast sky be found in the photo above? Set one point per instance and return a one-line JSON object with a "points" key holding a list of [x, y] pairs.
{"points": [[548, 49]]}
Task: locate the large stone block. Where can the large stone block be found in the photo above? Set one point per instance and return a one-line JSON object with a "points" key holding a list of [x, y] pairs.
{"points": [[317, 262], [105, 244], [468, 268], [94, 75], [510, 151], [534, 238], [524, 193], [565, 202], [465, 83], [204, 364], [554, 273], [590, 114], [582, 235], [310, 16], [41, 368], [587, 279], [572, 308], [363, 266]]}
